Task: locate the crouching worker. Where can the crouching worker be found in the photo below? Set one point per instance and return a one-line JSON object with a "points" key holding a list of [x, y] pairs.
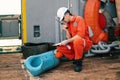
{"points": [[77, 35]]}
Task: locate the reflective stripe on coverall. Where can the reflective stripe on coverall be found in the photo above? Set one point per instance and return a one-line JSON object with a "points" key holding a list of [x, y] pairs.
{"points": [[76, 27]]}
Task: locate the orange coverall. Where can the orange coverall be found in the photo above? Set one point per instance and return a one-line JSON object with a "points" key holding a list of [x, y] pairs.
{"points": [[76, 27]]}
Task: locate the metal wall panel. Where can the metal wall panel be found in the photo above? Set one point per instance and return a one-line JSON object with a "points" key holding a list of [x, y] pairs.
{"points": [[41, 20]]}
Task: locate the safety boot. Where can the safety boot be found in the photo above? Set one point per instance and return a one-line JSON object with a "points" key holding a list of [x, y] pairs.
{"points": [[78, 66]]}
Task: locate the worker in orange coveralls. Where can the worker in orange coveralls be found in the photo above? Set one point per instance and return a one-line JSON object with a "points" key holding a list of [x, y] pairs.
{"points": [[77, 35]]}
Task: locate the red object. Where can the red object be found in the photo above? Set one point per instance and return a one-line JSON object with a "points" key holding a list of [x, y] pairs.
{"points": [[119, 24], [117, 32], [112, 1], [80, 44], [102, 21]]}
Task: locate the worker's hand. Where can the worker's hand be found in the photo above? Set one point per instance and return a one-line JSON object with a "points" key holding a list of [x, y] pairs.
{"points": [[65, 42], [64, 27]]}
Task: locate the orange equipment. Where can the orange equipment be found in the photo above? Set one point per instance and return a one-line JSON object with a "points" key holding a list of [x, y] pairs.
{"points": [[91, 15]]}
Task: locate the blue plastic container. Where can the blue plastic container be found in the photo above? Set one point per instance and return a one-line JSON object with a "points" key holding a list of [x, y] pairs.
{"points": [[40, 63]]}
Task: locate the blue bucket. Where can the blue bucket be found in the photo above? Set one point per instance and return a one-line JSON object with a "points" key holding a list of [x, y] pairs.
{"points": [[40, 63]]}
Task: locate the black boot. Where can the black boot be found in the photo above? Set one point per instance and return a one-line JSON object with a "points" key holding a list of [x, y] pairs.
{"points": [[74, 61], [78, 66]]}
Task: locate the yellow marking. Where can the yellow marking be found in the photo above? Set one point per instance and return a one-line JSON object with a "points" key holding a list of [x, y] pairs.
{"points": [[24, 24]]}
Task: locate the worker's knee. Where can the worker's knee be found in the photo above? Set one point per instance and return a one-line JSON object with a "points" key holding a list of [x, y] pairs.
{"points": [[78, 41]]}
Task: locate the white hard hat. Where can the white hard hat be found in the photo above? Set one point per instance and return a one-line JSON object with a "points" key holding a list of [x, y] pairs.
{"points": [[61, 12]]}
